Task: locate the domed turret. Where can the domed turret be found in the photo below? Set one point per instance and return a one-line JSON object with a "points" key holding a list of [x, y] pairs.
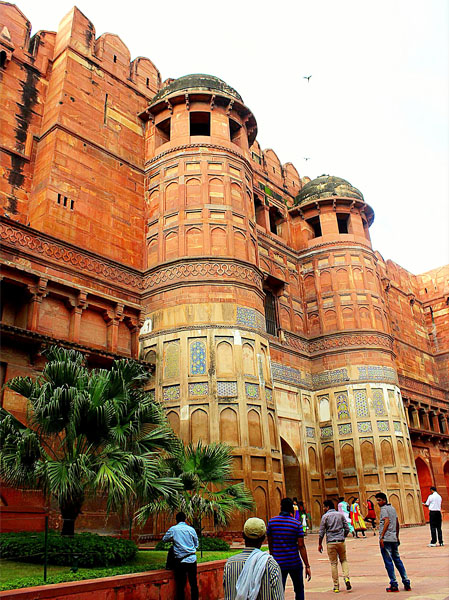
{"points": [[327, 186], [197, 81]]}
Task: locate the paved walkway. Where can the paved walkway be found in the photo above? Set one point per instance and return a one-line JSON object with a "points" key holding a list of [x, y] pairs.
{"points": [[428, 568]]}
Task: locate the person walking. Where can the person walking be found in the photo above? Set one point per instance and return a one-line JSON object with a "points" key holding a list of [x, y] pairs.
{"points": [[371, 515], [356, 518], [434, 503], [252, 573], [334, 525], [344, 508], [389, 543], [185, 544], [286, 540]]}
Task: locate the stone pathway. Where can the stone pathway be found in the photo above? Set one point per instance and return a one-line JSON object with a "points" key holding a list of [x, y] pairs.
{"points": [[428, 568]]}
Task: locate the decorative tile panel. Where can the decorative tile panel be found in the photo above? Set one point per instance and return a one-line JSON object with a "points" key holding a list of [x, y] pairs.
{"points": [[364, 427], [252, 390], [290, 375], [378, 403], [250, 318], [268, 394], [197, 352], [362, 408], [326, 432], [397, 426], [198, 389], [172, 360], [373, 372], [310, 432], [342, 406], [383, 425], [227, 389], [171, 392], [329, 377], [344, 428]]}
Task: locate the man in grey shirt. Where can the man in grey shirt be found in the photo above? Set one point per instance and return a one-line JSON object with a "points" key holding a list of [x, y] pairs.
{"points": [[335, 526], [389, 543]]}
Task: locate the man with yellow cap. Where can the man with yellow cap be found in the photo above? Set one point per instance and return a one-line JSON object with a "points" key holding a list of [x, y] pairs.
{"points": [[253, 574]]}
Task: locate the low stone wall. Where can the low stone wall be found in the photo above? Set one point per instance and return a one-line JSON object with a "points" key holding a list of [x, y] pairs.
{"points": [[152, 585]]}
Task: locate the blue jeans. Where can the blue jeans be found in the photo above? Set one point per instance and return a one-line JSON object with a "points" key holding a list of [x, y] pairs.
{"points": [[296, 574], [391, 557]]}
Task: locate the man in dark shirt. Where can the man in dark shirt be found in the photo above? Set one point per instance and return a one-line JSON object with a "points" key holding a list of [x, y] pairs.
{"points": [[285, 537], [389, 543], [336, 528]]}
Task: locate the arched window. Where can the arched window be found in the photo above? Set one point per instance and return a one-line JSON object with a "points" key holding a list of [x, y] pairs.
{"points": [[270, 313]]}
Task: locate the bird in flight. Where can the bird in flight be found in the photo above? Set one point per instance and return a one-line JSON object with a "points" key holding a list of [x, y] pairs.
{"points": [[306, 158], [308, 77]]}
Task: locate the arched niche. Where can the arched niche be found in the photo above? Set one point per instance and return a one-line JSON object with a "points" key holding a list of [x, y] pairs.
{"points": [[171, 245], [254, 429], [309, 285], [348, 318], [312, 457], [330, 320], [402, 453], [364, 316], [218, 241], [236, 196], [171, 197], [153, 205], [215, 191], [224, 359], [171, 360], [272, 431], [194, 241], [199, 426], [387, 455], [291, 471], [152, 251], [325, 281], [174, 421], [193, 192], [411, 509], [285, 318], [240, 245], [265, 365], [248, 359], [347, 456], [329, 462], [260, 498], [342, 279], [324, 409], [229, 427], [368, 457], [314, 324]]}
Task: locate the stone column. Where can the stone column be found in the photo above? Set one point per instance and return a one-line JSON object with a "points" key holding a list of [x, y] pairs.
{"points": [[78, 305], [38, 292]]}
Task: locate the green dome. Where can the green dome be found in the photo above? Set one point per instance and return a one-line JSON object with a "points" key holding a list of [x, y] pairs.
{"points": [[197, 81], [327, 186]]}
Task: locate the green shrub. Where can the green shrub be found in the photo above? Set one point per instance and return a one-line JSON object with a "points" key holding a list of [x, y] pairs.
{"points": [[208, 543], [86, 549]]}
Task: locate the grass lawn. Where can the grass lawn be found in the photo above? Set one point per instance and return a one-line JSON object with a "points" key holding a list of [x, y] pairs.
{"points": [[20, 574]]}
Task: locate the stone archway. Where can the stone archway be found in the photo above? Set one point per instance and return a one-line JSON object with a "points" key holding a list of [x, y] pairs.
{"points": [[425, 480], [291, 471]]}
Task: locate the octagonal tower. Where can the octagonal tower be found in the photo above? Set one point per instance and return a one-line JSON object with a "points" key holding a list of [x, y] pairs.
{"points": [[204, 294]]}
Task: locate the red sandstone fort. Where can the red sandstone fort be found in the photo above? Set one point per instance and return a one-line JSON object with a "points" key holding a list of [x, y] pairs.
{"points": [[141, 218]]}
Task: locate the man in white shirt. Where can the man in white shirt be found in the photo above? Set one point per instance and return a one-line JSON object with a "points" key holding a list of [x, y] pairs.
{"points": [[434, 502]]}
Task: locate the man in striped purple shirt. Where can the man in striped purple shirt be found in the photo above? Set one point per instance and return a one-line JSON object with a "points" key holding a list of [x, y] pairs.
{"points": [[285, 537]]}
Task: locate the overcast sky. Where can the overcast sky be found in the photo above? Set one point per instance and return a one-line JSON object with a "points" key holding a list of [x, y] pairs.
{"points": [[375, 110]]}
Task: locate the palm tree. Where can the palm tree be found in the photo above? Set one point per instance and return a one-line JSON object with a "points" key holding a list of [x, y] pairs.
{"points": [[205, 470], [90, 433]]}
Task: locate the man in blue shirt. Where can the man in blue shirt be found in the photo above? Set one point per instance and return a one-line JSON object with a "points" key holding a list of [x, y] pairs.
{"points": [[185, 544], [285, 537]]}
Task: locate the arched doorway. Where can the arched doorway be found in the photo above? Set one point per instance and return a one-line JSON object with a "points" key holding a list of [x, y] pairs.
{"points": [[291, 471], [425, 481], [446, 474]]}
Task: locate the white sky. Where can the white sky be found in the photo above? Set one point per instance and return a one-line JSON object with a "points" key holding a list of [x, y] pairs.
{"points": [[375, 111]]}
